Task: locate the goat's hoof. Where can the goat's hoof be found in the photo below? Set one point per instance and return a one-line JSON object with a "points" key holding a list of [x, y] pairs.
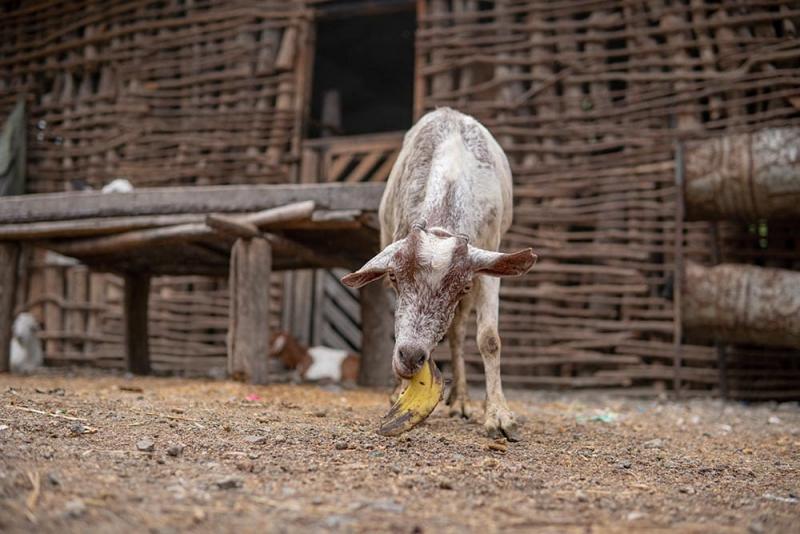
{"points": [[461, 408], [459, 405], [502, 424]]}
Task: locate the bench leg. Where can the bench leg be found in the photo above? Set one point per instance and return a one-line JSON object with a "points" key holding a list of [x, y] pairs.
{"points": [[248, 331], [9, 257], [137, 342]]}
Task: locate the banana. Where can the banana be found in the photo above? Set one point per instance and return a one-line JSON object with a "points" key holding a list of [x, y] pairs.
{"points": [[416, 402]]}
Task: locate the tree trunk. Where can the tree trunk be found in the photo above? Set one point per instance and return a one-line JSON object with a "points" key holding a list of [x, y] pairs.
{"points": [[742, 304], [744, 177]]}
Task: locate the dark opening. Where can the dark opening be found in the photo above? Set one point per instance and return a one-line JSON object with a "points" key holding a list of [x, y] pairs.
{"points": [[366, 54]]}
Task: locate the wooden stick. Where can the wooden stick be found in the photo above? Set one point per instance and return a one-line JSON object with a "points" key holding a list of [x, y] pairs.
{"points": [[40, 412], [231, 226], [291, 212], [9, 255]]}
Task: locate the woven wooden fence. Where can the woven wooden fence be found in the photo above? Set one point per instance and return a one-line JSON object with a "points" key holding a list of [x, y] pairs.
{"points": [[82, 316], [162, 94], [589, 100], [167, 93]]}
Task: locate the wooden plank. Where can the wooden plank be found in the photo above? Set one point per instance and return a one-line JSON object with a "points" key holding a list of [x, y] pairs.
{"points": [[181, 200], [9, 256], [381, 174], [92, 226], [54, 291], [137, 341], [298, 308], [248, 332], [377, 330], [309, 166], [338, 166], [364, 166]]}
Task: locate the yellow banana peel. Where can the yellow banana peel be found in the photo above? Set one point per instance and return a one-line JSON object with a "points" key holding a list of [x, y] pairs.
{"points": [[416, 402]]}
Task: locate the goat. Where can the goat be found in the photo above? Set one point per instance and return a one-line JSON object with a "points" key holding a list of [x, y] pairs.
{"points": [[26, 349], [315, 363], [447, 204]]}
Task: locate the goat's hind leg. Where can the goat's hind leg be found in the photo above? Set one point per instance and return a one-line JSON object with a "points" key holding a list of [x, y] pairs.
{"points": [[458, 400]]}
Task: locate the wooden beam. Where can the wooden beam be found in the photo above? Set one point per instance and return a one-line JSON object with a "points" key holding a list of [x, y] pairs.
{"points": [[92, 226], [296, 211], [181, 200], [137, 342], [377, 344], [231, 226], [9, 256], [134, 239], [248, 331], [293, 216]]}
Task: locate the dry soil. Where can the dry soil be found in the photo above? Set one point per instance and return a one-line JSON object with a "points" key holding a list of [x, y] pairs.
{"points": [[84, 452]]}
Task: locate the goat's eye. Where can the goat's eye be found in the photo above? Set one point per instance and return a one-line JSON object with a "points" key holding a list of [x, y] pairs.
{"points": [[392, 277], [467, 288]]}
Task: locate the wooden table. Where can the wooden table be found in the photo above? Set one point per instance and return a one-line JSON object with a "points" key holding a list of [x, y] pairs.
{"points": [[244, 232]]}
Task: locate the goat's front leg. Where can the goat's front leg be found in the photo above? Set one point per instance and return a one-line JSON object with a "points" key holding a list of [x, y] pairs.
{"points": [[500, 419], [458, 400]]}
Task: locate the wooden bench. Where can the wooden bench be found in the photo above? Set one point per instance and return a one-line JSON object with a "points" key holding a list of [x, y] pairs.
{"points": [[244, 232]]}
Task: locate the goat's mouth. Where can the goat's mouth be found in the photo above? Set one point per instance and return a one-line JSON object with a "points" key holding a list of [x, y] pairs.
{"points": [[401, 371]]}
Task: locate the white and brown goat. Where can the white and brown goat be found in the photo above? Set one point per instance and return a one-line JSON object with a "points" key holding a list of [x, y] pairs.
{"points": [[448, 202]]}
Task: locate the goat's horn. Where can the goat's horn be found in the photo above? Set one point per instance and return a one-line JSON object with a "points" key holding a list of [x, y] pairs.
{"points": [[419, 225], [465, 237]]}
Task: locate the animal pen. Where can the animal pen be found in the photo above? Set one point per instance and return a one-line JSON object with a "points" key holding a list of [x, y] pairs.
{"points": [[655, 149]]}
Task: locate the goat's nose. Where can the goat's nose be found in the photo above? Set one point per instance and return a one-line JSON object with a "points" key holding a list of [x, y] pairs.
{"points": [[412, 358]]}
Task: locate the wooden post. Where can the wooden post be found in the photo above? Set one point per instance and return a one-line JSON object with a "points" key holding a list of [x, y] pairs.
{"points": [[9, 256], [377, 344], [248, 330], [137, 342]]}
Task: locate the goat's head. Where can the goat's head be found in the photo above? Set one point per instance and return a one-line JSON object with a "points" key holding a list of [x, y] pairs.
{"points": [[25, 327], [431, 271]]}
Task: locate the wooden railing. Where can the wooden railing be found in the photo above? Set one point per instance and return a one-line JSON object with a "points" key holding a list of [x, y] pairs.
{"points": [[357, 158]]}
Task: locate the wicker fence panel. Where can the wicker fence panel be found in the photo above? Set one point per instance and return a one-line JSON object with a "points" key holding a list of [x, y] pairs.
{"points": [[166, 93], [588, 101], [81, 313]]}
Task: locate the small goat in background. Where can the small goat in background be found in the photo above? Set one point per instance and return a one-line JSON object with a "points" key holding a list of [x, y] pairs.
{"points": [[26, 349], [314, 364]]}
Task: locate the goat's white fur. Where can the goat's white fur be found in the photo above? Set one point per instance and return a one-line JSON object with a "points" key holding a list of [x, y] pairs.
{"points": [[449, 155], [26, 349]]}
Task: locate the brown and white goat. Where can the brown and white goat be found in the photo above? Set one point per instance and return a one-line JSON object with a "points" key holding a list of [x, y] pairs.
{"points": [[448, 202], [314, 364]]}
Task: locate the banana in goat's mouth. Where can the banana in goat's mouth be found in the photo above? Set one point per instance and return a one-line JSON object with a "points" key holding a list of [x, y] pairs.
{"points": [[416, 402]]}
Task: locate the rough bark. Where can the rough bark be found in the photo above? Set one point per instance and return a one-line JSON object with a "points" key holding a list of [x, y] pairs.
{"points": [[744, 177], [742, 304]]}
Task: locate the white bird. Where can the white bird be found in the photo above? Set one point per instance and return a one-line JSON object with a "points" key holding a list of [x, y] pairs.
{"points": [[26, 349]]}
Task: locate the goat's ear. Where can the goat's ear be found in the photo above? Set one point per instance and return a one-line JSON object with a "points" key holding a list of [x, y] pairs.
{"points": [[278, 343], [374, 268], [500, 263]]}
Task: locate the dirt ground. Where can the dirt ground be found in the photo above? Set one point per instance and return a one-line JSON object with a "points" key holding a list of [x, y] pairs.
{"points": [[167, 455]]}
